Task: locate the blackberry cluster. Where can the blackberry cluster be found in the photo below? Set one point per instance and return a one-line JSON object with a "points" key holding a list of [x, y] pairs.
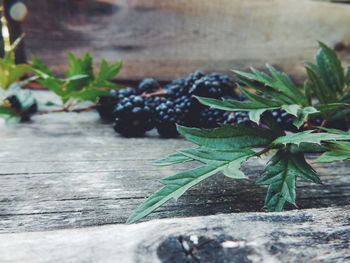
{"points": [[136, 111]]}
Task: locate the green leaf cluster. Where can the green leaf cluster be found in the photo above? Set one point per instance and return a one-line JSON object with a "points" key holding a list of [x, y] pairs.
{"points": [[326, 93], [224, 149], [80, 82]]}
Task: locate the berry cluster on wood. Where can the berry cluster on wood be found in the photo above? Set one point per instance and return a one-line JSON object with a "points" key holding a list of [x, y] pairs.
{"points": [[136, 111]]}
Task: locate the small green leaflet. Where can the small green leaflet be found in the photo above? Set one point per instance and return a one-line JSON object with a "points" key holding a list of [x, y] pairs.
{"points": [[309, 137], [233, 105], [227, 162], [228, 137], [280, 174], [338, 151], [173, 158]]}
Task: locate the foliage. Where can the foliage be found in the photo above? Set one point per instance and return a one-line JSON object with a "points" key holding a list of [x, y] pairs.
{"points": [[80, 82], [10, 72], [223, 150], [17, 104]]}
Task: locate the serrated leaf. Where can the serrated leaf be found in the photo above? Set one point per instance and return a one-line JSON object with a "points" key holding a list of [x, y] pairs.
{"points": [[232, 160], [333, 130], [267, 91], [234, 105], [88, 95], [329, 66], [173, 158], [338, 151], [347, 76], [175, 186], [255, 115], [292, 109], [228, 137], [228, 162], [280, 82], [309, 137], [280, 174], [303, 115]]}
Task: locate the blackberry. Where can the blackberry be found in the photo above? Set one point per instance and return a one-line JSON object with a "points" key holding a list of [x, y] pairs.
{"points": [[132, 117], [212, 118], [214, 85], [177, 88], [170, 113], [181, 87], [193, 77], [125, 93], [148, 85], [106, 104], [15, 104], [284, 119], [154, 101], [238, 117]]}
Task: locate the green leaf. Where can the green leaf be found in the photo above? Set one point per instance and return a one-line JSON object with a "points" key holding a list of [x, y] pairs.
{"points": [[228, 162], [347, 76], [221, 158], [88, 95], [303, 115], [338, 151], [329, 66], [279, 82], [280, 174], [175, 186], [9, 114], [233, 105], [228, 137], [173, 158], [334, 131], [309, 137]]}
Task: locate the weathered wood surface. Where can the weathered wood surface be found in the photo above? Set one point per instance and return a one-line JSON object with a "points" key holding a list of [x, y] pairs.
{"points": [[315, 235], [170, 38], [71, 170]]}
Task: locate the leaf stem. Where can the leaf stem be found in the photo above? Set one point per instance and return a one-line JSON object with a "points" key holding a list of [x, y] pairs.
{"points": [[65, 109]]}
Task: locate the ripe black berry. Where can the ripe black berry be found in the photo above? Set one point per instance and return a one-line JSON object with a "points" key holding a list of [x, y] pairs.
{"points": [[214, 85], [284, 119], [212, 118], [132, 117], [148, 85], [172, 112], [106, 105], [237, 117]]}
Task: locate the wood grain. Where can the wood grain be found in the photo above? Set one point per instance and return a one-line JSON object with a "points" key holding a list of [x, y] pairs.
{"points": [[70, 170], [167, 39], [315, 235]]}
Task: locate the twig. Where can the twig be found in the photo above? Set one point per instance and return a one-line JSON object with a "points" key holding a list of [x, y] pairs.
{"points": [[68, 110]]}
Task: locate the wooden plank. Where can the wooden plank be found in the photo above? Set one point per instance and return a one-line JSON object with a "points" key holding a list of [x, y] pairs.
{"points": [[315, 235], [167, 39], [71, 170]]}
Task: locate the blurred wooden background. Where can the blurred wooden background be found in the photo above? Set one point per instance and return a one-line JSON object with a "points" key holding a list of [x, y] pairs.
{"points": [[170, 38]]}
